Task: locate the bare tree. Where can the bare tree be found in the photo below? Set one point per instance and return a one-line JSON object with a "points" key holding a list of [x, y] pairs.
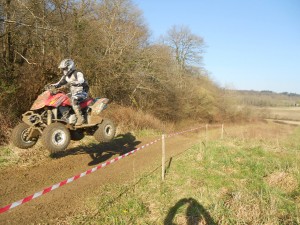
{"points": [[187, 47], [109, 41]]}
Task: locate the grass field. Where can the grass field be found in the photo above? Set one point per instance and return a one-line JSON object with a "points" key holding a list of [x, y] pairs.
{"points": [[252, 176], [284, 113]]}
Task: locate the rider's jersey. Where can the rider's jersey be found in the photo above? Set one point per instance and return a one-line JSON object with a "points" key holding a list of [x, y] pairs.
{"points": [[75, 80]]}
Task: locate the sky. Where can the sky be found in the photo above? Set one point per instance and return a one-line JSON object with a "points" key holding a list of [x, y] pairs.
{"points": [[250, 44]]}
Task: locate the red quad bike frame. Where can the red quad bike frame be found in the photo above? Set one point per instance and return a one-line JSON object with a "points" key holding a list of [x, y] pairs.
{"points": [[52, 118]]}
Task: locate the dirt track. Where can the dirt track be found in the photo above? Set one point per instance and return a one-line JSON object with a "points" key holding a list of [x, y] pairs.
{"points": [[17, 183]]}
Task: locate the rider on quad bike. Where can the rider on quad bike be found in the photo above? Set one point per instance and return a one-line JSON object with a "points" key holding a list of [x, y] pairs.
{"points": [[57, 117], [78, 86]]}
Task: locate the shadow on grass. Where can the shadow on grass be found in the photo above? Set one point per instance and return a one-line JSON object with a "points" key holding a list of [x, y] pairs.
{"points": [[99, 153], [195, 213]]}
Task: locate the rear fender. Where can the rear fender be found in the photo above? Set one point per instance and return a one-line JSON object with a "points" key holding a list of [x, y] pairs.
{"points": [[99, 106], [94, 119]]}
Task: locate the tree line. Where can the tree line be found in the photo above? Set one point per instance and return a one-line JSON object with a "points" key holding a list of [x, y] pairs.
{"points": [[110, 42], [266, 98]]}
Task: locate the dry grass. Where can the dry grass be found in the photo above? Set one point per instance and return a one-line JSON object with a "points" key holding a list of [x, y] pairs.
{"points": [[284, 113], [28, 157], [282, 180], [5, 128], [129, 119], [245, 206], [265, 132]]}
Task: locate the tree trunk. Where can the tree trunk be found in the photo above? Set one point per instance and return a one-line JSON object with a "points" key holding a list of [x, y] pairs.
{"points": [[8, 46]]}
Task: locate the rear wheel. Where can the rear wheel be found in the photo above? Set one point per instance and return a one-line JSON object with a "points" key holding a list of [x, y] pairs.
{"points": [[19, 136], [105, 132], [56, 137]]}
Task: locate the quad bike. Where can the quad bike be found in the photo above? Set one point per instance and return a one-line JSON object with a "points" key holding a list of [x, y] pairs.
{"points": [[52, 119]]}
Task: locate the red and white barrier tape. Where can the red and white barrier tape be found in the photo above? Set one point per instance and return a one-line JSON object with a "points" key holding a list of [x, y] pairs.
{"points": [[182, 132], [55, 186]]}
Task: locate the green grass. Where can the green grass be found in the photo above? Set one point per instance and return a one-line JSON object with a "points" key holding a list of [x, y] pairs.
{"points": [[147, 133], [7, 156], [293, 141], [228, 182]]}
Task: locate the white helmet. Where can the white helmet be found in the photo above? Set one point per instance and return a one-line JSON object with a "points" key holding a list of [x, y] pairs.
{"points": [[67, 65]]}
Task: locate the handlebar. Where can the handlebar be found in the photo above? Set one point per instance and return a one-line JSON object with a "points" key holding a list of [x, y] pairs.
{"points": [[53, 89]]}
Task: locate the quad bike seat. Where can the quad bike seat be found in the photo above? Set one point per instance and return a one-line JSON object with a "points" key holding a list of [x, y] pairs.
{"points": [[86, 103]]}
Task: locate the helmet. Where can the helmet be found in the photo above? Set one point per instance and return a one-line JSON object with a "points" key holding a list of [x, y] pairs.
{"points": [[67, 65]]}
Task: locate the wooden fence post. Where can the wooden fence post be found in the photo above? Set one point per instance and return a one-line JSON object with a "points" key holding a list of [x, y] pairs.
{"points": [[222, 131], [163, 158], [206, 134]]}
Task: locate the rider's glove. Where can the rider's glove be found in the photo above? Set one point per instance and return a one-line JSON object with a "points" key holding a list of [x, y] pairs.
{"points": [[53, 86]]}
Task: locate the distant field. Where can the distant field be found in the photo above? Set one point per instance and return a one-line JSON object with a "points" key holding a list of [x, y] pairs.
{"points": [[283, 113]]}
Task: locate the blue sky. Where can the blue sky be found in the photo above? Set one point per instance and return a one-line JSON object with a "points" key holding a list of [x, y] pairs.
{"points": [[251, 44]]}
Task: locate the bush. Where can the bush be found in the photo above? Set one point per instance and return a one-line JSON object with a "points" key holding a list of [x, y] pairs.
{"points": [[6, 123]]}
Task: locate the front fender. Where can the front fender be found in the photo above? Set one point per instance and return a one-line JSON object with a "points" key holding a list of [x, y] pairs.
{"points": [[31, 118]]}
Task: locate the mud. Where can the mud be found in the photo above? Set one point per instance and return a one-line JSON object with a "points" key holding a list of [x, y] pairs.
{"points": [[17, 183]]}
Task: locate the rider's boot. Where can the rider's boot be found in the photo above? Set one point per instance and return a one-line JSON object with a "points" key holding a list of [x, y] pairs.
{"points": [[78, 113]]}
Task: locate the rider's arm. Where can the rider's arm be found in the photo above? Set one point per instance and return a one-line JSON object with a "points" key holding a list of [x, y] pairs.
{"points": [[61, 82]]}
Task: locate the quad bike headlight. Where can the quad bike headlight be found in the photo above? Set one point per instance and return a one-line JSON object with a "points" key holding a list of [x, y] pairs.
{"points": [[33, 119]]}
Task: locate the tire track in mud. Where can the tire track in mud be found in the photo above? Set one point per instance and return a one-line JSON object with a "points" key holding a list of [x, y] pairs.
{"points": [[17, 183]]}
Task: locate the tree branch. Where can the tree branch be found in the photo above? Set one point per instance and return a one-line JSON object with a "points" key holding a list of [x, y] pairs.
{"points": [[26, 25], [25, 58]]}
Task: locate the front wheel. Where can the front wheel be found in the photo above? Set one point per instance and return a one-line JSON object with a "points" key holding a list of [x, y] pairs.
{"points": [[56, 137], [19, 136], [105, 132]]}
